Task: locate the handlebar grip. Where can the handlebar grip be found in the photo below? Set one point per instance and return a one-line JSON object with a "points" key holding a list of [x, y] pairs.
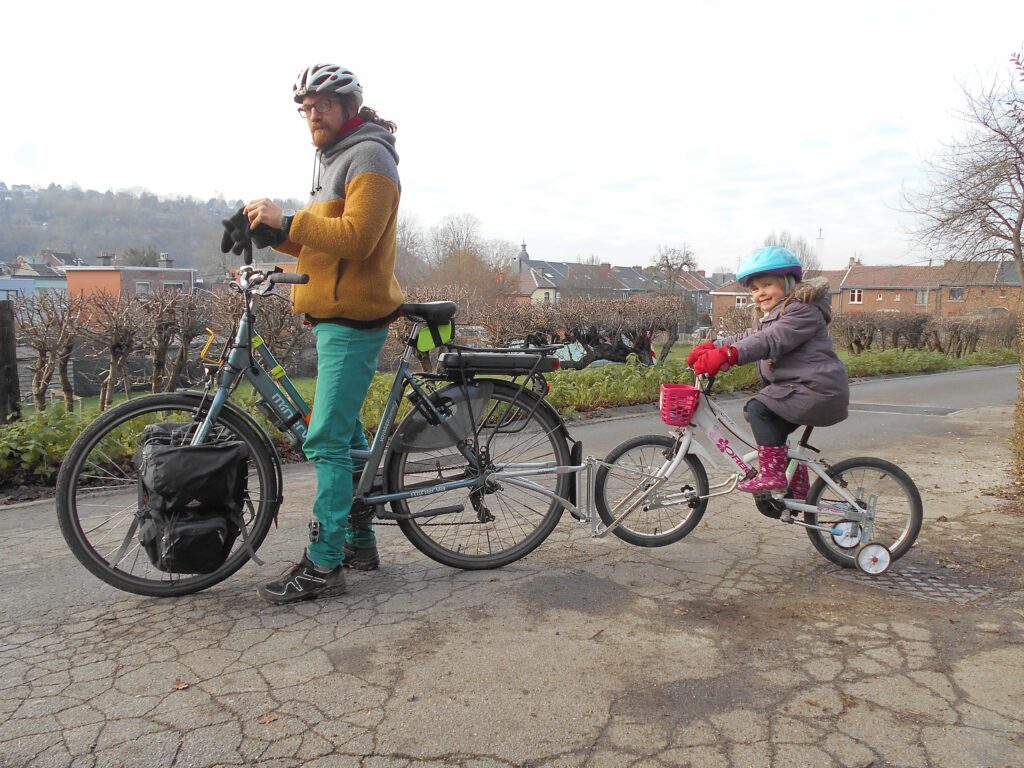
{"points": [[288, 278]]}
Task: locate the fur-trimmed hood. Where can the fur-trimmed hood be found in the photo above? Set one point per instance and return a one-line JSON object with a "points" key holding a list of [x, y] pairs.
{"points": [[814, 292]]}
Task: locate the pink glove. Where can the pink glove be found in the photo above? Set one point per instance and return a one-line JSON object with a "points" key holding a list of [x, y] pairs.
{"points": [[696, 352], [715, 360]]}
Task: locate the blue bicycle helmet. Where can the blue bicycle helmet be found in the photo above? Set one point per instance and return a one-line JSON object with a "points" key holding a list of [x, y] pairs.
{"points": [[773, 260]]}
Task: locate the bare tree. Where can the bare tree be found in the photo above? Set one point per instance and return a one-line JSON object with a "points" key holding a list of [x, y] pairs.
{"points": [[672, 262], [114, 321], [805, 252], [171, 319], [192, 314], [454, 234], [49, 323], [410, 260], [972, 207]]}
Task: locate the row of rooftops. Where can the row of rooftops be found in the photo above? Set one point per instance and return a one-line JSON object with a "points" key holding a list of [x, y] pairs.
{"points": [[534, 274], [911, 277]]}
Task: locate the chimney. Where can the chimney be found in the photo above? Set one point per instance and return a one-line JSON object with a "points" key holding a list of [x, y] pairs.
{"points": [[701, 272], [855, 261], [165, 261], [106, 259]]}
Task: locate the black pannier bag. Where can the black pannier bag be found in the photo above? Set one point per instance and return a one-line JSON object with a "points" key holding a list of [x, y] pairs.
{"points": [[190, 499]]}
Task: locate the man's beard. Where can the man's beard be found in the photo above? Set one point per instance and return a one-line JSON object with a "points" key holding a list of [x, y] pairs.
{"points": [[321, 137]]}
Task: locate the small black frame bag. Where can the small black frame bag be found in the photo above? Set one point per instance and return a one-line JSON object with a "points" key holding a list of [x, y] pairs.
{"points": [[190, 499]]}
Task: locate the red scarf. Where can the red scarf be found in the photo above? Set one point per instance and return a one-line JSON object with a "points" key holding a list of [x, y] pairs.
{"points": [[350, 125]]}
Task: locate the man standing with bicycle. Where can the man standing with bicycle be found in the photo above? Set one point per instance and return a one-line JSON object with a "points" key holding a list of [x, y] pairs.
{"points": [[345, 241]]}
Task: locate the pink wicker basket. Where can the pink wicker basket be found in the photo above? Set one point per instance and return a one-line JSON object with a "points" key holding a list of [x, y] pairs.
{"points": [[678, 404]]}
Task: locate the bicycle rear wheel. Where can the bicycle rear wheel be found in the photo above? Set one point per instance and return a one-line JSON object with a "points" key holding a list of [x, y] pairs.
{"points": [[874, 482], [97, 494], [499, 521], [653, 523]]}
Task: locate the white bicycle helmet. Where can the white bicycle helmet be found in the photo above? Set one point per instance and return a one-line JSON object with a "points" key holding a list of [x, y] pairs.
{"points": [[326, 79]]}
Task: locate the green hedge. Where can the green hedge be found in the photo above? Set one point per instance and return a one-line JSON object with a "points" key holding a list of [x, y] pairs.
{"points": [[31, 449]]}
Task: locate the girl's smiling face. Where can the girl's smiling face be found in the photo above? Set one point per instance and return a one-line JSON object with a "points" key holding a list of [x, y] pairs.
{"points": [[766, 291]]}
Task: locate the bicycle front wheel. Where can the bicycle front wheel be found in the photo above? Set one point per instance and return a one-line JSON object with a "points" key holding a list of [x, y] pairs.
{"points": [[498, 520], [97, 494], [876, 484], [661, 517]]}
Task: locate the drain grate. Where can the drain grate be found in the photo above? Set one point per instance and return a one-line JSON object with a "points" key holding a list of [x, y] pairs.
{"points": [[918, 583]]}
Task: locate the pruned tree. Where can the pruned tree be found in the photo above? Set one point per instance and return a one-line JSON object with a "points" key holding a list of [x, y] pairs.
{"points": [[113, 321], [804, 251], [192, 315], [285, 331], [172, 321], [672, 262], [49, 323], [972, 205]]}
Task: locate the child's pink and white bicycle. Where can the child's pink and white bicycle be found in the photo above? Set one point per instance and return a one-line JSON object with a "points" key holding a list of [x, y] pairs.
{"points": [[652, 490]]}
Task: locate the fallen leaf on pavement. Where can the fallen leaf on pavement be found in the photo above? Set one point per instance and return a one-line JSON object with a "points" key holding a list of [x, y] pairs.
{"points": [[179, 684], [266, 719]]}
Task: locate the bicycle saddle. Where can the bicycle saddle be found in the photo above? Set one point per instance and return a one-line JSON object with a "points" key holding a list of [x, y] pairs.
{"points": [[430, 311]]}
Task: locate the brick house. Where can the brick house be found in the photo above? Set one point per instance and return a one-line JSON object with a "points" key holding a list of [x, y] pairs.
{"points": [[83, 281], [941, 290]]}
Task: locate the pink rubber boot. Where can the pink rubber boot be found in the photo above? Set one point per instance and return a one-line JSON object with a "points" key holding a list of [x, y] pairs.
{"points": [[801, 484], [772, 474]]}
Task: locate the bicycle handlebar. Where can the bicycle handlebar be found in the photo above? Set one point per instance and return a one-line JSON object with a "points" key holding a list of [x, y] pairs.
{"points": [[288, 278]]}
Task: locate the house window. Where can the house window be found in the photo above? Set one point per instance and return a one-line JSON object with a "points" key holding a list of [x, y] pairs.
{"points": [[878, 297], [547, 297], [856, 296], [142, 286], [956, 293], [921, 297], [1002, 292], [174, 286], [898, 297], [741, 301]]}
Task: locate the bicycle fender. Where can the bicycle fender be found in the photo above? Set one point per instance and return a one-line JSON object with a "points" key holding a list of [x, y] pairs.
{"points": [[463, 405], [700, 451]]}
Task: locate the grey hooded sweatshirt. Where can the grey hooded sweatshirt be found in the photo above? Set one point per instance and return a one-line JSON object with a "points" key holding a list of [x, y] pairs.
{"points": [[804, 381]]}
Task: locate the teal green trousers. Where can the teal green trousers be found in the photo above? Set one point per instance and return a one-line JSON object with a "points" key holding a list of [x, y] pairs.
{"points": [[346, 362]]}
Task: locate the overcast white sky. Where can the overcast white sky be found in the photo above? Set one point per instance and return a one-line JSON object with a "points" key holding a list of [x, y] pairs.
{"points": [[584, 128]]}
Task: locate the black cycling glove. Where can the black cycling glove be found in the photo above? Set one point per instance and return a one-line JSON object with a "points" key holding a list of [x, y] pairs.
{"points": [[237, 237], [267, 237]]}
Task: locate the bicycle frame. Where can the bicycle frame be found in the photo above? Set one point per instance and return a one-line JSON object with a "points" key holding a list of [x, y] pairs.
{"points": [[249, 358], [711, 419]]}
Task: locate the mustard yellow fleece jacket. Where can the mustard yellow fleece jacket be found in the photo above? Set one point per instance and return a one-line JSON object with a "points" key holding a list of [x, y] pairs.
{"points": [[345, 238]]}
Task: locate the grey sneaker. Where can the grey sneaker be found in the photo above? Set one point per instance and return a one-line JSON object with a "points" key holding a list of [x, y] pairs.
{"points": [[361, 558], [303, 582]]}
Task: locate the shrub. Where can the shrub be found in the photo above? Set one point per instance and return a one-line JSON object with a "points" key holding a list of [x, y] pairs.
{"points": [[31, 449]]}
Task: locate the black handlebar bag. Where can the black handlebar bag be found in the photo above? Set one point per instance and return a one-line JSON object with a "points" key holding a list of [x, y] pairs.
{"points": [[190, 501]]}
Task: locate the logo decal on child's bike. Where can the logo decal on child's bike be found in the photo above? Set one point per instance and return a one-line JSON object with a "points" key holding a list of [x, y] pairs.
{"points": [[722, 443]]}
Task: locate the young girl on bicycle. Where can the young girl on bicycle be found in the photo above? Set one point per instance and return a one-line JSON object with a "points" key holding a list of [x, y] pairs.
{"points": [[804, 381]]}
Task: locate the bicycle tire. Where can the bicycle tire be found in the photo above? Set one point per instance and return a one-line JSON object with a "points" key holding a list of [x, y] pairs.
{"points": [[899, 511], [97, 494], [648, 527], [513, 426]]}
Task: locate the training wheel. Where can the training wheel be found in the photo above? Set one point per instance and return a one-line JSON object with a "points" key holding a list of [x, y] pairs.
{"points": [[874, 558]]}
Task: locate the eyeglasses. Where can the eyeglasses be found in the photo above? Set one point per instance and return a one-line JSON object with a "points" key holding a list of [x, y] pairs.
{"points": [[323, 107]]}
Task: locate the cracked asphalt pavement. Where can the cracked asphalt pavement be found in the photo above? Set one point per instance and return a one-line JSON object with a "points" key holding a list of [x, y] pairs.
{"points": [[738, 646]]}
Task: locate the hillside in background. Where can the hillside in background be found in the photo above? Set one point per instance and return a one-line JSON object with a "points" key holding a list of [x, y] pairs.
{"points": [[87, 222]]}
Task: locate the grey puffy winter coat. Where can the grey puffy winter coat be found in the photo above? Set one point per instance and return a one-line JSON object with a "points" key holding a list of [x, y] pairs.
{"points": [[804, 381]]}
